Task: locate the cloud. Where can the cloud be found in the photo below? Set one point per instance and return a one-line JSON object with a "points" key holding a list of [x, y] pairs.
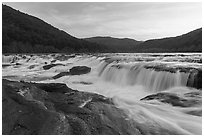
{"points": [[136, 20]]}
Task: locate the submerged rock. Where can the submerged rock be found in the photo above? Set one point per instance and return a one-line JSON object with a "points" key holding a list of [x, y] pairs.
{"points": [[194, 94], [18, 64], [82, 82], [32, 66], [48, 109], [61, 74], [195, 112]]}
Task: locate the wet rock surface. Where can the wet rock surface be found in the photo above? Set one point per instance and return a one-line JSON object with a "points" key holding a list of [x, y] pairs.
{"points": [[164, 67], [161, 68], [188, 100], [31, 108], [46, 67], [77, 70]]}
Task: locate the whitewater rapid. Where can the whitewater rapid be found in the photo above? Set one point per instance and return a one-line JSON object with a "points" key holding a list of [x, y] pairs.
{"points": [[126, 78]]}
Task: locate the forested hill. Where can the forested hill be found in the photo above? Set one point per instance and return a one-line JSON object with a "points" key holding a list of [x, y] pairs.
{"points": [[189, 42], [23, 33], [116, 44]]}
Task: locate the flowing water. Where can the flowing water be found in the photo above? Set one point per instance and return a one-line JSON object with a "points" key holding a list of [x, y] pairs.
{"points": [[127, 79]]}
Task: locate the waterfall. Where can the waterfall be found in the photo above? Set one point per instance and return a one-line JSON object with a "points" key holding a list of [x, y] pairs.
{"points": [[139, 75]]}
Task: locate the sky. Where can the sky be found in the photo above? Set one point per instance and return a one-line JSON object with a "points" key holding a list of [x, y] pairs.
{"points": [[136, 20]]}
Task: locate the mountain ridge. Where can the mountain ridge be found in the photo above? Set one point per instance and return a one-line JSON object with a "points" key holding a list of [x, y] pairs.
{"points": [[116, 44], [188, 42], [25, 33]]}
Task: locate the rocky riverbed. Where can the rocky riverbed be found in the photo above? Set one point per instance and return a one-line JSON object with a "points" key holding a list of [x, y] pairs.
{"points": [[100, 94]]}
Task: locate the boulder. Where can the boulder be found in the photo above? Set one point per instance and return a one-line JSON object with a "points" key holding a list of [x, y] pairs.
{"points": [[53, 61], [77, 70], [55, 109]]}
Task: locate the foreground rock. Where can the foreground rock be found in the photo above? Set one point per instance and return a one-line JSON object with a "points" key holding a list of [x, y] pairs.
{"points": [[77, 70], [29, 108]]}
